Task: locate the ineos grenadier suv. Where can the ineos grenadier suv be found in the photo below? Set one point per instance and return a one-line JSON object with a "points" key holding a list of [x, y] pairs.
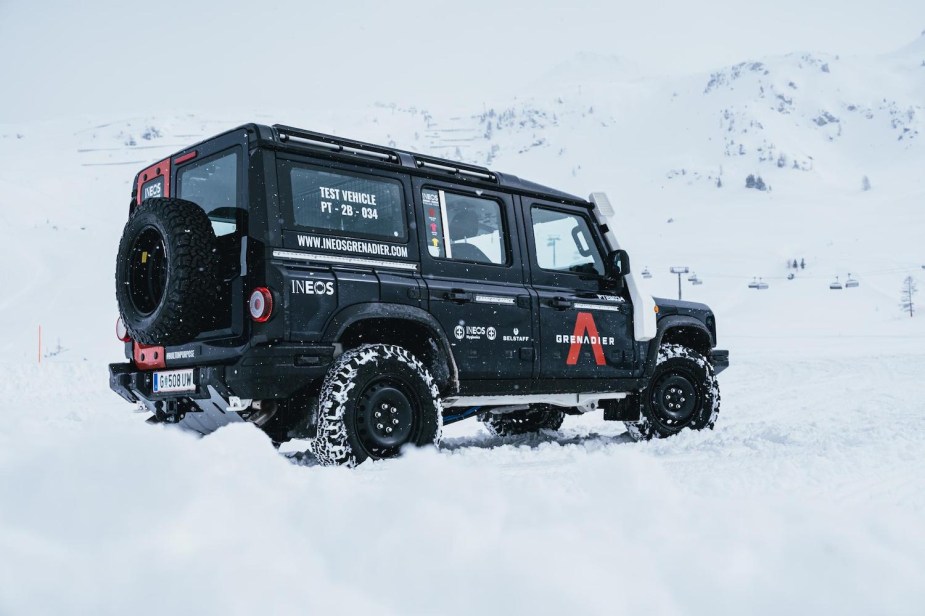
{"points": [[362, 297]]}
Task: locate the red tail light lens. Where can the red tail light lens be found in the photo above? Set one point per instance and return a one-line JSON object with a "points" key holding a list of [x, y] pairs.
{"points": [[261, 304], [121, 331]]}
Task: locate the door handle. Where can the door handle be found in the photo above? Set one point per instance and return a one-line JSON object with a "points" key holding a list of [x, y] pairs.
{"points": [[459, 296], [560, 303]]}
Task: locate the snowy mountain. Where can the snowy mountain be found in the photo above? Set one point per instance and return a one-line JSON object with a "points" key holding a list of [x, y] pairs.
{"points": [[814, 131], [808, 497]]}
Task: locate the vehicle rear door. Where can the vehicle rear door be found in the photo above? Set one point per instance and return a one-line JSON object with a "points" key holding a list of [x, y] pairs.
{"points": [[213, 175], [472, 264]]}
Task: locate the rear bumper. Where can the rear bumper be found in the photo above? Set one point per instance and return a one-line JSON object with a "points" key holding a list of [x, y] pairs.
{"points": [[262, 373], [719, 359]]}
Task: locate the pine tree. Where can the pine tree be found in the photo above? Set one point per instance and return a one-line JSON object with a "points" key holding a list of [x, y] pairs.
{"points": [[906, 299]]}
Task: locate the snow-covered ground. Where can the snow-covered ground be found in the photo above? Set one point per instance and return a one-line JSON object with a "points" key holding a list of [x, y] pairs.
{"points": [[809, 497]]}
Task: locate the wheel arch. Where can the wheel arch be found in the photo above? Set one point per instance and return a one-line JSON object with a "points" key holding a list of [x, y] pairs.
{"points": [[683, 330], [406, 326]]}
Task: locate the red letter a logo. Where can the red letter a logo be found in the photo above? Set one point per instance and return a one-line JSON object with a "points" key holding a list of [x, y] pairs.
{"points": [[585, 329]]}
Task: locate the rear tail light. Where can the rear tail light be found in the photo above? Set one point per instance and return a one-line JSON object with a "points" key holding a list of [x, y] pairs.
{"points": [[261, 304], [121, 331]]}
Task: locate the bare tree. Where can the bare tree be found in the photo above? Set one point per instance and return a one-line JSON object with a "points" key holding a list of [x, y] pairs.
{"points": [[909, 289]]}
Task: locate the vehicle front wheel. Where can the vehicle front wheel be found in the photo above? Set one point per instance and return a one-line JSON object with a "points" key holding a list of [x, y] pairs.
{"points": [[683, 393], [374, 400]]}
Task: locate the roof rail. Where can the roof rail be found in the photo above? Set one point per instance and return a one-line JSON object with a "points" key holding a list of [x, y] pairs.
{"points": [[454, 168], [334, 144]]}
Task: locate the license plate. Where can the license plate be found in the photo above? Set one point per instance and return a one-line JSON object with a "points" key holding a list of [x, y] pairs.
{"points": [[174, 380]]}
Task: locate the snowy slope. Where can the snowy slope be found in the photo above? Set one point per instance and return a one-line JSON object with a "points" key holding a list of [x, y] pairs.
{"points": [[808, 497]]}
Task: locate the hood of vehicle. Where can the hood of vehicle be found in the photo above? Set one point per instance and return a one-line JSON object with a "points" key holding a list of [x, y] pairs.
{"points": [[675, 306]]}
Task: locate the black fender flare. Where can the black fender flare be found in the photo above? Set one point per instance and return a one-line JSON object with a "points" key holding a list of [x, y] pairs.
{"points": [[665, 324], [352, 315]]}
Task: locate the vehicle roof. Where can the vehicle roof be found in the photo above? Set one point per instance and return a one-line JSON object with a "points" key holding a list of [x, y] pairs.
{"points": [[295, 139]]}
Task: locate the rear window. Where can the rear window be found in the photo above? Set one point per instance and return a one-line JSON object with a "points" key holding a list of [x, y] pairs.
{"points": [[343, 203], [212, 184]]}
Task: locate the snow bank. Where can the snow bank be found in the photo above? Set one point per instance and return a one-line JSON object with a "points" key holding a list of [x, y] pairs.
{"points": [[800, 501]]}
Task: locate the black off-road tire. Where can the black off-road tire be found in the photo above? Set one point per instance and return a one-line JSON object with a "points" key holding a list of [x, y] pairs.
{"points": [[374, 400], [683, 393], [537, 417], [166, 274]]}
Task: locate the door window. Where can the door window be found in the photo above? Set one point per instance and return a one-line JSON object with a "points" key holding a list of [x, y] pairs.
{"points": [[564, 243], [464, 227]]}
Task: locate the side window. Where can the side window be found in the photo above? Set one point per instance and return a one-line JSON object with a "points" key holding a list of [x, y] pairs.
{"points": [[564, 242], [343, 202], [464, 228], [212, 184]]}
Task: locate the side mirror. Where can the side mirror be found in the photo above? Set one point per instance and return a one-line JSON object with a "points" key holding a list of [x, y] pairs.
{"points": [[618, 265]]}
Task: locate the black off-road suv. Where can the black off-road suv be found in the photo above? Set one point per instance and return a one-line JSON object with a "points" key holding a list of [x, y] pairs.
{"points": [[363, 297]]}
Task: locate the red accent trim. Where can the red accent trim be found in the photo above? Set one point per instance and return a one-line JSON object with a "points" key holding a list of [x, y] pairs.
{"points": [[121, 332], [156, 170], [179, 160], [584, 324], [148, 357], [264, 316]]}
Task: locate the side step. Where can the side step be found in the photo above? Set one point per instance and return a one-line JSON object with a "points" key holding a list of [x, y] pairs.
{"points": [[567, 400]]}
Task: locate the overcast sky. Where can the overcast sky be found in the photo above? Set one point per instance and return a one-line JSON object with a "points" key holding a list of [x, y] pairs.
{"points": [[117, 56]]}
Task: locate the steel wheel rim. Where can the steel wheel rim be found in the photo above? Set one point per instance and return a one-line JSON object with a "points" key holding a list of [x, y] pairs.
{"points": [[386, 416], [675, 398]]}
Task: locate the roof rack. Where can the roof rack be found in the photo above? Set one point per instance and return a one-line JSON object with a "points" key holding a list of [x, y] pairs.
{"points": [[334, 144], [454, 168]]}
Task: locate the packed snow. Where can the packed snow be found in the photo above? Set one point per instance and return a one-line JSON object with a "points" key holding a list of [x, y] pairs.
{"points": [[808, 497]]}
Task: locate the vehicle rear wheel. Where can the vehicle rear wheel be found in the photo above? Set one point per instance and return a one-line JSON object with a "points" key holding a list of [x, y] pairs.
{"points": [[683, 393], [374, 400], [537, 417], [166, 276]]}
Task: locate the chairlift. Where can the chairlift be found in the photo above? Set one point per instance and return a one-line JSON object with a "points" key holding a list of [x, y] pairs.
{"points": [[646, 273], [836, 286], [696, 281], [762, 284], [692, 278], [758, 283], [851, 283]]}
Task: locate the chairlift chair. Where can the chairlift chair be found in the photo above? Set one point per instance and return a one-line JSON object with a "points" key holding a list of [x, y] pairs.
{"points": [[753, 284], [692, 278], [836, 286], [646, 273], [851, 283], [761, 284], [696, 281]]}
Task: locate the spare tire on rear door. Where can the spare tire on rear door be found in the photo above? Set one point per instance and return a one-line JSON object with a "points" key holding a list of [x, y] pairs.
{"points": [[166, 272]]}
